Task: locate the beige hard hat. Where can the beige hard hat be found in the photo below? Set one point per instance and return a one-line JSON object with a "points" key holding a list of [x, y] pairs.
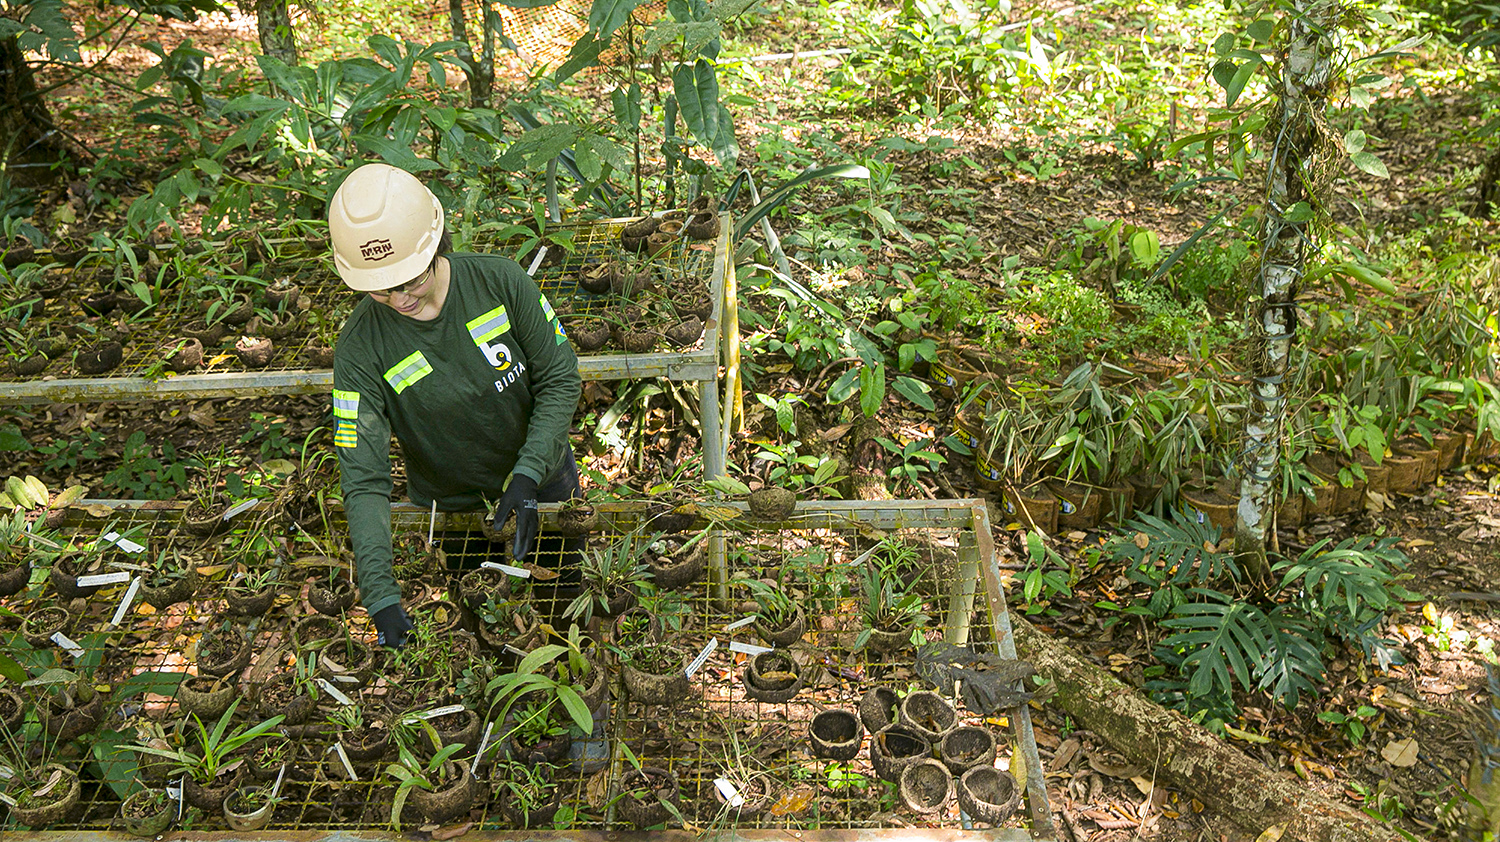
{"points": [[385, 226]]}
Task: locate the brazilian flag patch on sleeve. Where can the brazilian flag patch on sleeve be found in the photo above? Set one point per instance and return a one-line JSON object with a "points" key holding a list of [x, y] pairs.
{"points": [[551, 315], [346, 416]]}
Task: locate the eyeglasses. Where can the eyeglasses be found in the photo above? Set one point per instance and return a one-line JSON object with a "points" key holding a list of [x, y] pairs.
{"points": [[406, 287]]}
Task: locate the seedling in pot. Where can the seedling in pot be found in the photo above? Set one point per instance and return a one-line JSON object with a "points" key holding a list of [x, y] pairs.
{"points": [[610, 577]]}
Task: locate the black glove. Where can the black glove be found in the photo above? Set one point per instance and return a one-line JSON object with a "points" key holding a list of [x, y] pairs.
{"points": [[520, 498], [393, 624]]}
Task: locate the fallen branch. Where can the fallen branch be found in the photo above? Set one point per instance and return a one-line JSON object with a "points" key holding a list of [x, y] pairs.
{"points": [[1185, 756]]}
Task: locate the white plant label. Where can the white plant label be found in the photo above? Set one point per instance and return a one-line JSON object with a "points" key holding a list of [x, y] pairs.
{"points": [[176, 794], [346, 679], [519, 653], [7, 800], [731, 795], [484, 742], [518, 572], [338, 749], [541, 255], [114, 578], [239, 508], [436, 712], [708, 649], [126, 600], [338, 695], [67, 643], [747, 648], [125, 544], [280, 775], [6, 773], [741, 623]]}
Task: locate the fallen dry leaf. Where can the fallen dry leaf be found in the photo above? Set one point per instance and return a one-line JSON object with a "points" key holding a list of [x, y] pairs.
{"points": [[1142, 540], [452, 832], [1018, 769], [1272, 833], [793, 802], [1401, 753]]}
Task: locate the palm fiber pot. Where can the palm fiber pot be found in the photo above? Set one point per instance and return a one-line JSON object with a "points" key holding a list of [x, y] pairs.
{"points": [[835, 734], [452, 799], [148, 812], [926, 786], [1078, 506], [786, 634], [645, 794], [988, 794]]}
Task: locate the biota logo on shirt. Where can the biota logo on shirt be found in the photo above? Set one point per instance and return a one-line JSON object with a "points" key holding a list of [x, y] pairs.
{"points": [[485, 330], [376, 250]]}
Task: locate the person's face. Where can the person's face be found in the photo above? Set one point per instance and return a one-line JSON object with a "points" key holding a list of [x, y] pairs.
{"points": [[410, 298]]}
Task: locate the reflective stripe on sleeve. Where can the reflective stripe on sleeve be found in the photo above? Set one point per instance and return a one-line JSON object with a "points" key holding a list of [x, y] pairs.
{"points": [[345, 404]]}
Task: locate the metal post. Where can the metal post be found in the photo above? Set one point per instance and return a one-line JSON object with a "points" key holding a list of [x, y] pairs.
{"points": [[964, 583]]}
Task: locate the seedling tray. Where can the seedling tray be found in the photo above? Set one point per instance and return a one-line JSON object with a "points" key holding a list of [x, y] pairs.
{"points": [[289, 373], [712, 732]]}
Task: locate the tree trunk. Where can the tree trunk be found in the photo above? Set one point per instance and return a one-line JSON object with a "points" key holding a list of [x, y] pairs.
{"points": [[1489, 188], [481, 76], [1307, 70], [30, 143], [273, 21], [1183, 755]]}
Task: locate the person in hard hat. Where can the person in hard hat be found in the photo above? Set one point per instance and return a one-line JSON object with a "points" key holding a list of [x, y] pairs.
{"points": [[461, 357]]}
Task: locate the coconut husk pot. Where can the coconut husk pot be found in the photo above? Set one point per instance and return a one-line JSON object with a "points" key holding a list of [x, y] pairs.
{"points": [[331, 596], [56, 804], [772, 677], [968, 746], [12, 709], [988, 794], [787, 634], [1034, 506], [1078, 506], [651, 689], [250, 603], [835, 734], [659, 787], [278, 696], [895, 747], [448, 802], [173, 592], [29, 366], [1377, 477], [198, 520], [233, 657], [576, 519], [889, 641], [42, 623], [929, 714], [878, 708], [532, 816], [210, 335], [68, 721], [772, 502], [147, 812], [348, 665], [684, 333], [589, 335], [255, 351], [366, 745], [184, 354], [679, 569], [210, 797], [926, 786], [206, 697], [100, 359], [64, 576], [14, 579]]}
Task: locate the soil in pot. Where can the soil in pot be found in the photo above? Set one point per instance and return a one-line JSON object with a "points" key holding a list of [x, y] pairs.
{"points": [[929, 714], [255, 351], [99, 359], [598, 278], [206, 697], [645, 792], [988, 795], [148, 812], [895, 747], [44, 801], [926, 786], [440, 615], [42, 623], [589, 335], [772, 502], [279, 696], [836, 734], [655, 674], [349, 664], [462, 727], [772, 677], [182, 354], [199, 520], [331, 596], [366, 745], [878, 708], [968, 746], [244, 817], [223, 651]]}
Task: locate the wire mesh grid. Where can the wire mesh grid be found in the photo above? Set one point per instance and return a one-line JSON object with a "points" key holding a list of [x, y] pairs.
{"points": [[67, 301], [712, 732]]}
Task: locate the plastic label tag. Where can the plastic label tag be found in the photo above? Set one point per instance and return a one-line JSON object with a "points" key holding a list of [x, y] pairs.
{"points": [[126, 600], [175, 793], [239, 508], [338, 695], [708, 649], [731, 795], [6, 773], [125, 544], [94, 579], [747, 648], [346, 679], [1067, 507], [484, 742], [741, 623], [437, 712], [338, 749], [280, 775], [67, 643], [7, 800], [541, 254], [520, 653], [518, 572]]}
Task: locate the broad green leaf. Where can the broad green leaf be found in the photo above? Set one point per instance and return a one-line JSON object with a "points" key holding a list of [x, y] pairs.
{"points": [[585, 53], [11, 670], [1369, 163], [723, 10], [575, 707], [915, 391], [627, 102], [393, 153], [871, 389], [1261, 30], [1241, 78], [697, 89], [605, 16], [1354, 141]]}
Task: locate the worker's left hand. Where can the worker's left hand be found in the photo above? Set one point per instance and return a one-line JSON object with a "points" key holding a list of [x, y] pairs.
{"points": [[519, 498]]}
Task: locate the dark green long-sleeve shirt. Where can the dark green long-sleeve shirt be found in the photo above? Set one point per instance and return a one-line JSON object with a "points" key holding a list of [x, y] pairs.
{"points": [[486, 388]]}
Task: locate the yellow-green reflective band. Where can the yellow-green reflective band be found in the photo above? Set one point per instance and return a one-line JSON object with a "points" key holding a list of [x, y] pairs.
{"points": [[407, 372], [489, 325], [547, 309], [345, 404], [344, 434]]}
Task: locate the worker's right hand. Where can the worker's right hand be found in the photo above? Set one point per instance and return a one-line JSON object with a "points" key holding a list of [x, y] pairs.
{"points": [[393, 625]]}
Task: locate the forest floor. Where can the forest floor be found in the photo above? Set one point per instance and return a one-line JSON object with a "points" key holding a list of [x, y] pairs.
{"points": [[1452, 533]]}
